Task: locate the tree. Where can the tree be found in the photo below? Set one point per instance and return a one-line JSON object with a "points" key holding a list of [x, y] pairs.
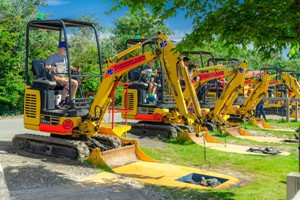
{"points": [[13, 19], [270, 26], [141, 23]]}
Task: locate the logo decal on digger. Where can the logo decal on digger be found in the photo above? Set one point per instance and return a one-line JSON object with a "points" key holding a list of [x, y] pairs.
{"points": [[118, 67], [68, 124], [163, 44]]}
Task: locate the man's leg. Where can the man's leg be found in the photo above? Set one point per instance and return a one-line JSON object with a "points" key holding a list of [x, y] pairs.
{"points": [[64, 92], [263, 113], [153, 89], [150, 86], [74, 88]]}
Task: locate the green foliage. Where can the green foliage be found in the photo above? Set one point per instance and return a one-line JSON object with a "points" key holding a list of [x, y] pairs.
{"points": [[11, 92], [13, 20], [142, 22], [270, 26]]}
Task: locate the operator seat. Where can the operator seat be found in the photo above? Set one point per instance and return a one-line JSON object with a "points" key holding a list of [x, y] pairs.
{"points": [[141, 87], [45, 84]]}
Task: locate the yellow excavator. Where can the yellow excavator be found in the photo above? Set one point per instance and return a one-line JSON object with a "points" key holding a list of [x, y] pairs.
{"points": [[79, 132], [260, 87], [217, 114], [165, 119]]}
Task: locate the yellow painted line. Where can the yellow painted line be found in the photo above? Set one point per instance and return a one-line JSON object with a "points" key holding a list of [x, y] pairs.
{"points": [[262, 139], [234, 148], [242, 149], [166, 175]]}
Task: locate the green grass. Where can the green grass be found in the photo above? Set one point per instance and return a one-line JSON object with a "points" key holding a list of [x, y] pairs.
{"points": [[284, 124], [262, 177]]}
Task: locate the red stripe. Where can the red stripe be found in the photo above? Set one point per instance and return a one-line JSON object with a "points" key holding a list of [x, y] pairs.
{"points": [[54, 129], [210, 75], [155, 117]]}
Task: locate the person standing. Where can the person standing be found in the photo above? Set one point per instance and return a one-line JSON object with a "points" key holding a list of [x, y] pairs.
{"points": [[260, 110]]}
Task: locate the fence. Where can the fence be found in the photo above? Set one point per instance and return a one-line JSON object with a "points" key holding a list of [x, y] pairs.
{"points": [[287, 105]]}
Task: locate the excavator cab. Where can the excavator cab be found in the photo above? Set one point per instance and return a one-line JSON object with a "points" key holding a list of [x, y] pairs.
{"points": [[43, 91]]}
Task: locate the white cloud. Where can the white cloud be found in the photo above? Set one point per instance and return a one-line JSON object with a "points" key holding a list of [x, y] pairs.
{"points": [[57, 2], [179, 34]]}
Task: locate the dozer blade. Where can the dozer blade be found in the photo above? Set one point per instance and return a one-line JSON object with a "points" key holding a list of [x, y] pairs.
{"points": [[128, 153], [198, 138], [260, 123]]}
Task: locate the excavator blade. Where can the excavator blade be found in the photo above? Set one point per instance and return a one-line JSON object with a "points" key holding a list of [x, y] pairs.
{"points": [[261, 123], [129, 152]]}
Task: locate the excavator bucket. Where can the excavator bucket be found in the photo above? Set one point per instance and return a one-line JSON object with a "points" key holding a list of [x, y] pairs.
{"points": [[235, 131], [198, 138], [261, 123]]}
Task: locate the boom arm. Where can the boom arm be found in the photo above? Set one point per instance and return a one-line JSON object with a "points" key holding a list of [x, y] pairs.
{"points": [[292, 84], [229, 94], [171, 61], [202, 76], [260, 90], [114, 72]]}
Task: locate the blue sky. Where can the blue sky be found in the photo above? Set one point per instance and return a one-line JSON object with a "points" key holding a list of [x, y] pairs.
{"points": [[74, 8]]}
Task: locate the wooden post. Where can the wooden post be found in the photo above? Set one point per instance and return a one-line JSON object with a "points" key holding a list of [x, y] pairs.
{"points": [[296, 111], [293, 184], [288, 110]]}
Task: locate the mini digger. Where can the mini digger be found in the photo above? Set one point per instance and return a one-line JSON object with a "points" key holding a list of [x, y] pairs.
{"points": [[77, 132], [169, 116]]}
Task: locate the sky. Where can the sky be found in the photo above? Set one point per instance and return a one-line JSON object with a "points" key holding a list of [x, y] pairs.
{"points": [[97, 8]]}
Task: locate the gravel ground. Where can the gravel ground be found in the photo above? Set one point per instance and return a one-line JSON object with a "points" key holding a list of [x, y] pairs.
{"points": [[26, 175]]}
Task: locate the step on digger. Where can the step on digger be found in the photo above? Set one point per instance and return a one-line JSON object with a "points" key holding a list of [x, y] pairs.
{"points": [[79, 132]]}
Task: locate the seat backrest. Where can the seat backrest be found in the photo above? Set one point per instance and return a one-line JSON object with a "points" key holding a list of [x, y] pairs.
{"points": [[38, 68], [134, 74]]}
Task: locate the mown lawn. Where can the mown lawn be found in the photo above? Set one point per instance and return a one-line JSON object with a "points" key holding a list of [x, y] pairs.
{"points": [[262, 177]]}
